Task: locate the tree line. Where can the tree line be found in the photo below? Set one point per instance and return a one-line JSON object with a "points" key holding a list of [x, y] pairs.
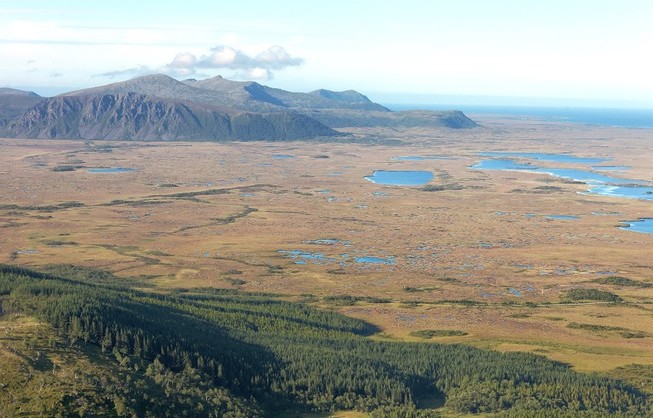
{"points": [[255, 355]]}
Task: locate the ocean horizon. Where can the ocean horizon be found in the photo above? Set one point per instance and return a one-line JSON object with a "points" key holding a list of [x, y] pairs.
{"points": [[616, 117]]}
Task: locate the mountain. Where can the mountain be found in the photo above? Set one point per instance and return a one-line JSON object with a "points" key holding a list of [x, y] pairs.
{"points": [[249, 92], [348, 118], [227, 97], [159, 107], [14, 102], [127, 116]]}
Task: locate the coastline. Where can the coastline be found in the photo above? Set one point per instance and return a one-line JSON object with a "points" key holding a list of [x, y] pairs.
{"points": [[631, 118]]}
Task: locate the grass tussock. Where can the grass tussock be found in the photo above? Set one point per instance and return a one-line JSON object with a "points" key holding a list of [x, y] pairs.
{"points": [[430, 333], [593, 294]]}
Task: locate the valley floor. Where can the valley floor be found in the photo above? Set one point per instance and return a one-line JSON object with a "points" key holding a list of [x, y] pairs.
{"points": [[479, 255]]}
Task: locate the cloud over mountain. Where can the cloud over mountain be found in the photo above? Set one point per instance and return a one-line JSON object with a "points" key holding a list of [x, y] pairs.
{"points": [[260, 66]]}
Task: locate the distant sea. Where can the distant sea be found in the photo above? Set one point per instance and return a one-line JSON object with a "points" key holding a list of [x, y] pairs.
{"points": [[621, 117]]}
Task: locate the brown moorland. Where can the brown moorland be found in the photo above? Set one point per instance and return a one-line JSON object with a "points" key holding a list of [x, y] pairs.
{"points": [[476, 255]]}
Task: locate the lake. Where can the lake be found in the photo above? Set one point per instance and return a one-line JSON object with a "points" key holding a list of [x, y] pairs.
{"points": [[111, 170], [504, 165], [603, 184], [542, 156], [374, 260], [301, 257], [419, 158], [400, 178], [644, 225], [610, 167], [630, 192], [562, 217], [304, 257]]}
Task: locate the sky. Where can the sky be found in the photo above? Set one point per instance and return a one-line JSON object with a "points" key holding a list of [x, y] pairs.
{"points": [[569, 52]]}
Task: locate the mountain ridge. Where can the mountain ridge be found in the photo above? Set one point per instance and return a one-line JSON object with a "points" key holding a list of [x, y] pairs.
{"points": [[132, 116], [159, 107], [14, 102]]}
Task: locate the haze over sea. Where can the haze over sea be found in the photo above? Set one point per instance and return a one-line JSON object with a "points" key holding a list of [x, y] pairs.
{"points": [[621, 117]]}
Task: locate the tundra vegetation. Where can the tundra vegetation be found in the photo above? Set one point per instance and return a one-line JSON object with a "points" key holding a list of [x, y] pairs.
{"points": [[210, 352], [216, 279]]}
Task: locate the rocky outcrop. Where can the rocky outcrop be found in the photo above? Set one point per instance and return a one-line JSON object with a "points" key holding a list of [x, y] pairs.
{"points": [[126, 116], [452, 119], [14, 102]]}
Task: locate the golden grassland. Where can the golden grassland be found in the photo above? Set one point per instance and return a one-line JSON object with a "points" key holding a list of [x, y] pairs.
{"points": [[208, 214], [39, 368]]}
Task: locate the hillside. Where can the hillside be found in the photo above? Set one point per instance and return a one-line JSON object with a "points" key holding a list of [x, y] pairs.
{"points": [[229, 97], [14, 102], [452, 119], [127, 116], [158, 107], [223, 353]]}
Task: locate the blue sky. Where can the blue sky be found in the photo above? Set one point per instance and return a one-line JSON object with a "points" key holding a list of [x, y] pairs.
{"points": [[572, 51]]}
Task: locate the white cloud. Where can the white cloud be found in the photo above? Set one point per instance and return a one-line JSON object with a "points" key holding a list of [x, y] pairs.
{"points": [[258, 73], [276, 58], [223, 57], [182, 65], [128, 72], [257, 67], [183, 60]]}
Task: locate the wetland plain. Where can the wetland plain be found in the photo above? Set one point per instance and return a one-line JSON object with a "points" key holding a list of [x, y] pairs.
{"points": [[493, 258]]}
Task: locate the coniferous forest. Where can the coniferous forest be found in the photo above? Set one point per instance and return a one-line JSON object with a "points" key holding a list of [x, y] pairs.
{"points": [[219, 353]]}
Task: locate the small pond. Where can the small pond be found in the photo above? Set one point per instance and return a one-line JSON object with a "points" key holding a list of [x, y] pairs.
{"points": [[374, 260], [328, 241], [400, 178], [301, 257], [563, 217], [515, 292], [306, 257], [419, 158], [111, 170]]}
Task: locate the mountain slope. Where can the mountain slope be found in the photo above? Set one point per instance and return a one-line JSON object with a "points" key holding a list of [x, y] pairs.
{"points": [[158, 107], [210, 352], [165, 87], [344, 118], [252, 94], [334, 109], [139, 117], [14, 102]]}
